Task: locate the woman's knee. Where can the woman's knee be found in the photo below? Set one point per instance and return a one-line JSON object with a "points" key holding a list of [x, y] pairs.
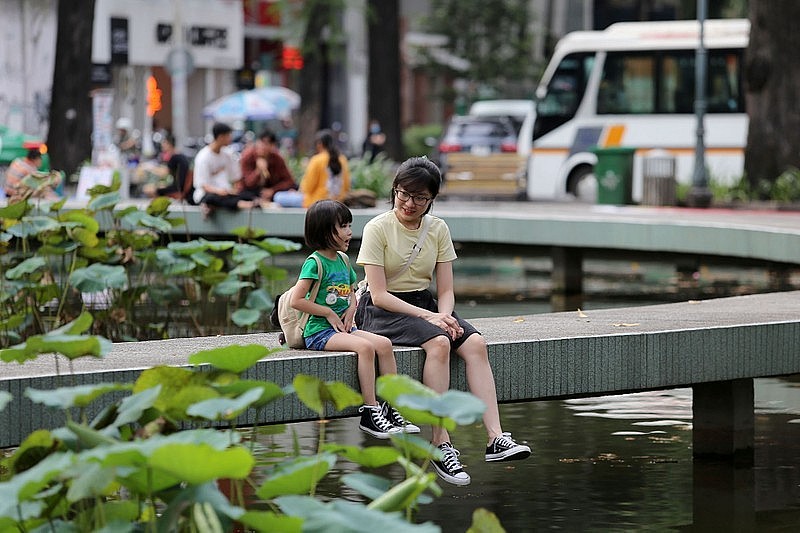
{"points": [[474, 346], [383, 345], [438, 347]]}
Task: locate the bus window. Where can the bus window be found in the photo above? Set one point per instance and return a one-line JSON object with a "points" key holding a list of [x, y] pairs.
{"points": [[627, 85], [564, 93], [724, 82], [676, 87], [663, 82]]}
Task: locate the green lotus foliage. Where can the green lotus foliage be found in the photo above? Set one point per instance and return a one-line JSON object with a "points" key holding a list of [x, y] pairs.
{"points": [[125, 265], [150, 460]]}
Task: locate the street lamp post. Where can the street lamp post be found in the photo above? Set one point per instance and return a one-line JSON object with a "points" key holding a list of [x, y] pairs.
{"points": [[699, 195]]}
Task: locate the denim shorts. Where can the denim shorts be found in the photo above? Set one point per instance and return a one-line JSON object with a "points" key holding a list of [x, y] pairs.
{"points": [[318, 340]]}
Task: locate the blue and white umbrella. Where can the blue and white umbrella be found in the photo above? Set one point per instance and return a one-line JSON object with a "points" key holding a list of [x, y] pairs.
{"points": [[264, 103]]}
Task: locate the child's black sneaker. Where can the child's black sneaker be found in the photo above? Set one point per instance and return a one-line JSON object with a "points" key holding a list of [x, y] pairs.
{"points": [[503, 448], [374, 423], [397, 419], [449, 468]]}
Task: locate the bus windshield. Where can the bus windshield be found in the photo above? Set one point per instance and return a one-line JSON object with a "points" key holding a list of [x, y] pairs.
{"points": [[564, 93]]}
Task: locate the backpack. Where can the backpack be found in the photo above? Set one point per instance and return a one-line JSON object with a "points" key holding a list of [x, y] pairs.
{"points": [[291, 321]]}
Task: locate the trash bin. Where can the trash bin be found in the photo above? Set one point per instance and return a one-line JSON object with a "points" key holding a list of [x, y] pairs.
{"points": [[658, 177], [614, 174]]}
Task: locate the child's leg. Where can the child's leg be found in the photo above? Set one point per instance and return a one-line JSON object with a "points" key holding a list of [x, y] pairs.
{"points": [[346, 342], [383, 348]]}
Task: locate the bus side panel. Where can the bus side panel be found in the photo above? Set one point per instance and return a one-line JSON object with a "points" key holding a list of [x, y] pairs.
{"points": [[554, 157]]}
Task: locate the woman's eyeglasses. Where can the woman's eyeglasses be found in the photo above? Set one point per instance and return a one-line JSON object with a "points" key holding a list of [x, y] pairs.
{"points": [[419, 200]]}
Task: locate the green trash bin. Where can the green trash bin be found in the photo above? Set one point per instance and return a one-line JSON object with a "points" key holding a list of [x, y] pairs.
{"points": [[614, 174]]}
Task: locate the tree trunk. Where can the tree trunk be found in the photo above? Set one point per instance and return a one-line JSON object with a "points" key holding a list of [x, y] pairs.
{"points": [[383, 86], [69, 138], [771, 76], [313, 89]]}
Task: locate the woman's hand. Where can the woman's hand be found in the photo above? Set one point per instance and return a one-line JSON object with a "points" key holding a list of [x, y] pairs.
{"points": [[447, 322]]}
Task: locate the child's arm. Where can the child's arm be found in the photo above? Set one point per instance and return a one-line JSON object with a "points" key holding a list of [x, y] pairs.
{"points": [[348, 318], [300, 303]]}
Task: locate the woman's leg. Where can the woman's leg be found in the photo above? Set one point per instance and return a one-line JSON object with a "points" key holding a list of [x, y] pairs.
{"points": [[366, 361], [481, 381], [387, 364], [436, 375]]}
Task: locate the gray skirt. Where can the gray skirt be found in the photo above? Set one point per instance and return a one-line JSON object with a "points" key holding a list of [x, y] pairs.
{"points": [[405, 330]]}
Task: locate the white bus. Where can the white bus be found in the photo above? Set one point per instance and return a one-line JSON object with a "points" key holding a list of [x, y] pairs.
{"points": [[633, 85]]}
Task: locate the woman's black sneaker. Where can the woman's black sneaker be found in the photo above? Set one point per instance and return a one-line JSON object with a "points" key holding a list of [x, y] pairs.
{"points": [[374, 423], [503, 448], [449, 468], [397, 419]]}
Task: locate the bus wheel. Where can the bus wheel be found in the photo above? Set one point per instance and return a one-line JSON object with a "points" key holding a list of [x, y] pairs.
{"points": [[582, 184]]}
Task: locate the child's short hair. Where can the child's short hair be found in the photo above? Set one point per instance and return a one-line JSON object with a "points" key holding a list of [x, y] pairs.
{"points": [[321, 220]]}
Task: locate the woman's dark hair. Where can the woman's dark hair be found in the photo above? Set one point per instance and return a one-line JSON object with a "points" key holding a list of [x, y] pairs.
{"points": [[321, 220], [268, 135], [325, 138], [416, 175]]}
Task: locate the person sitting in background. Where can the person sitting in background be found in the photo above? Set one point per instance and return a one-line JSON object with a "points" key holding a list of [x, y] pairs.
{"points": [[175, 165], [327, 175], [264, 171], [22, 167], [215, 172]]}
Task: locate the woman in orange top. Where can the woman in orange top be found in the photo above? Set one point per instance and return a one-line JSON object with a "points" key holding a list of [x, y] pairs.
{"points": [[327, 175]]}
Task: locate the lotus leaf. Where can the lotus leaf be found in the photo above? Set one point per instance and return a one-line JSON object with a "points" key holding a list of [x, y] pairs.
{"points": [[201, 463], [235, 358], [296, 476]]}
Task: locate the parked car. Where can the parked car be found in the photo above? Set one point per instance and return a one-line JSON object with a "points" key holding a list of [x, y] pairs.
{"points": [[479, 156], [521, 112]]}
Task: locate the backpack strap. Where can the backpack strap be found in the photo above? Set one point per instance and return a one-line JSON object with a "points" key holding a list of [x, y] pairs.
{"points": [[312, 294]]}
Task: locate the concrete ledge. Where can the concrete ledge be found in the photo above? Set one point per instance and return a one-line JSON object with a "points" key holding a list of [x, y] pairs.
{"points": [[534, 357], [764, 236]]}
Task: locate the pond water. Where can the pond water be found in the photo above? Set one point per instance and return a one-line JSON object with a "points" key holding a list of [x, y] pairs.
{"points": [[613, 463], [609, 463]]}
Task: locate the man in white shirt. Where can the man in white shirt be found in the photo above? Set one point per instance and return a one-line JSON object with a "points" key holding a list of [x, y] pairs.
{"points": [[215, 172]]}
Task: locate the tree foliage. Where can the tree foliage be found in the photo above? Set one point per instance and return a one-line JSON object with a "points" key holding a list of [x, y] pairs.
{"points": [[494, 36]]}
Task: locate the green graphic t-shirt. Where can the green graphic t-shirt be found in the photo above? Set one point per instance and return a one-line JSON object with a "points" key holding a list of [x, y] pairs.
{"points": [[334, 290]]}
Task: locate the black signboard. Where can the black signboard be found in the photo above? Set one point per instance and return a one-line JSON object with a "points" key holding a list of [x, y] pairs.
{"points": [[119, 41], [101, 75], [208, 36], [163, 32]]}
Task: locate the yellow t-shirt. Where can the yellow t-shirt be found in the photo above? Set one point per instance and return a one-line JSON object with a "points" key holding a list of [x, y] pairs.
{"points": [[387, 243], [319, 183]]}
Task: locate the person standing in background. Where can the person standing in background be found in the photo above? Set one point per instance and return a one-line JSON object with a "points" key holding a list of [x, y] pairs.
{"points": [[327, 175], [374, 143], [264, 171], [215, 172]]}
